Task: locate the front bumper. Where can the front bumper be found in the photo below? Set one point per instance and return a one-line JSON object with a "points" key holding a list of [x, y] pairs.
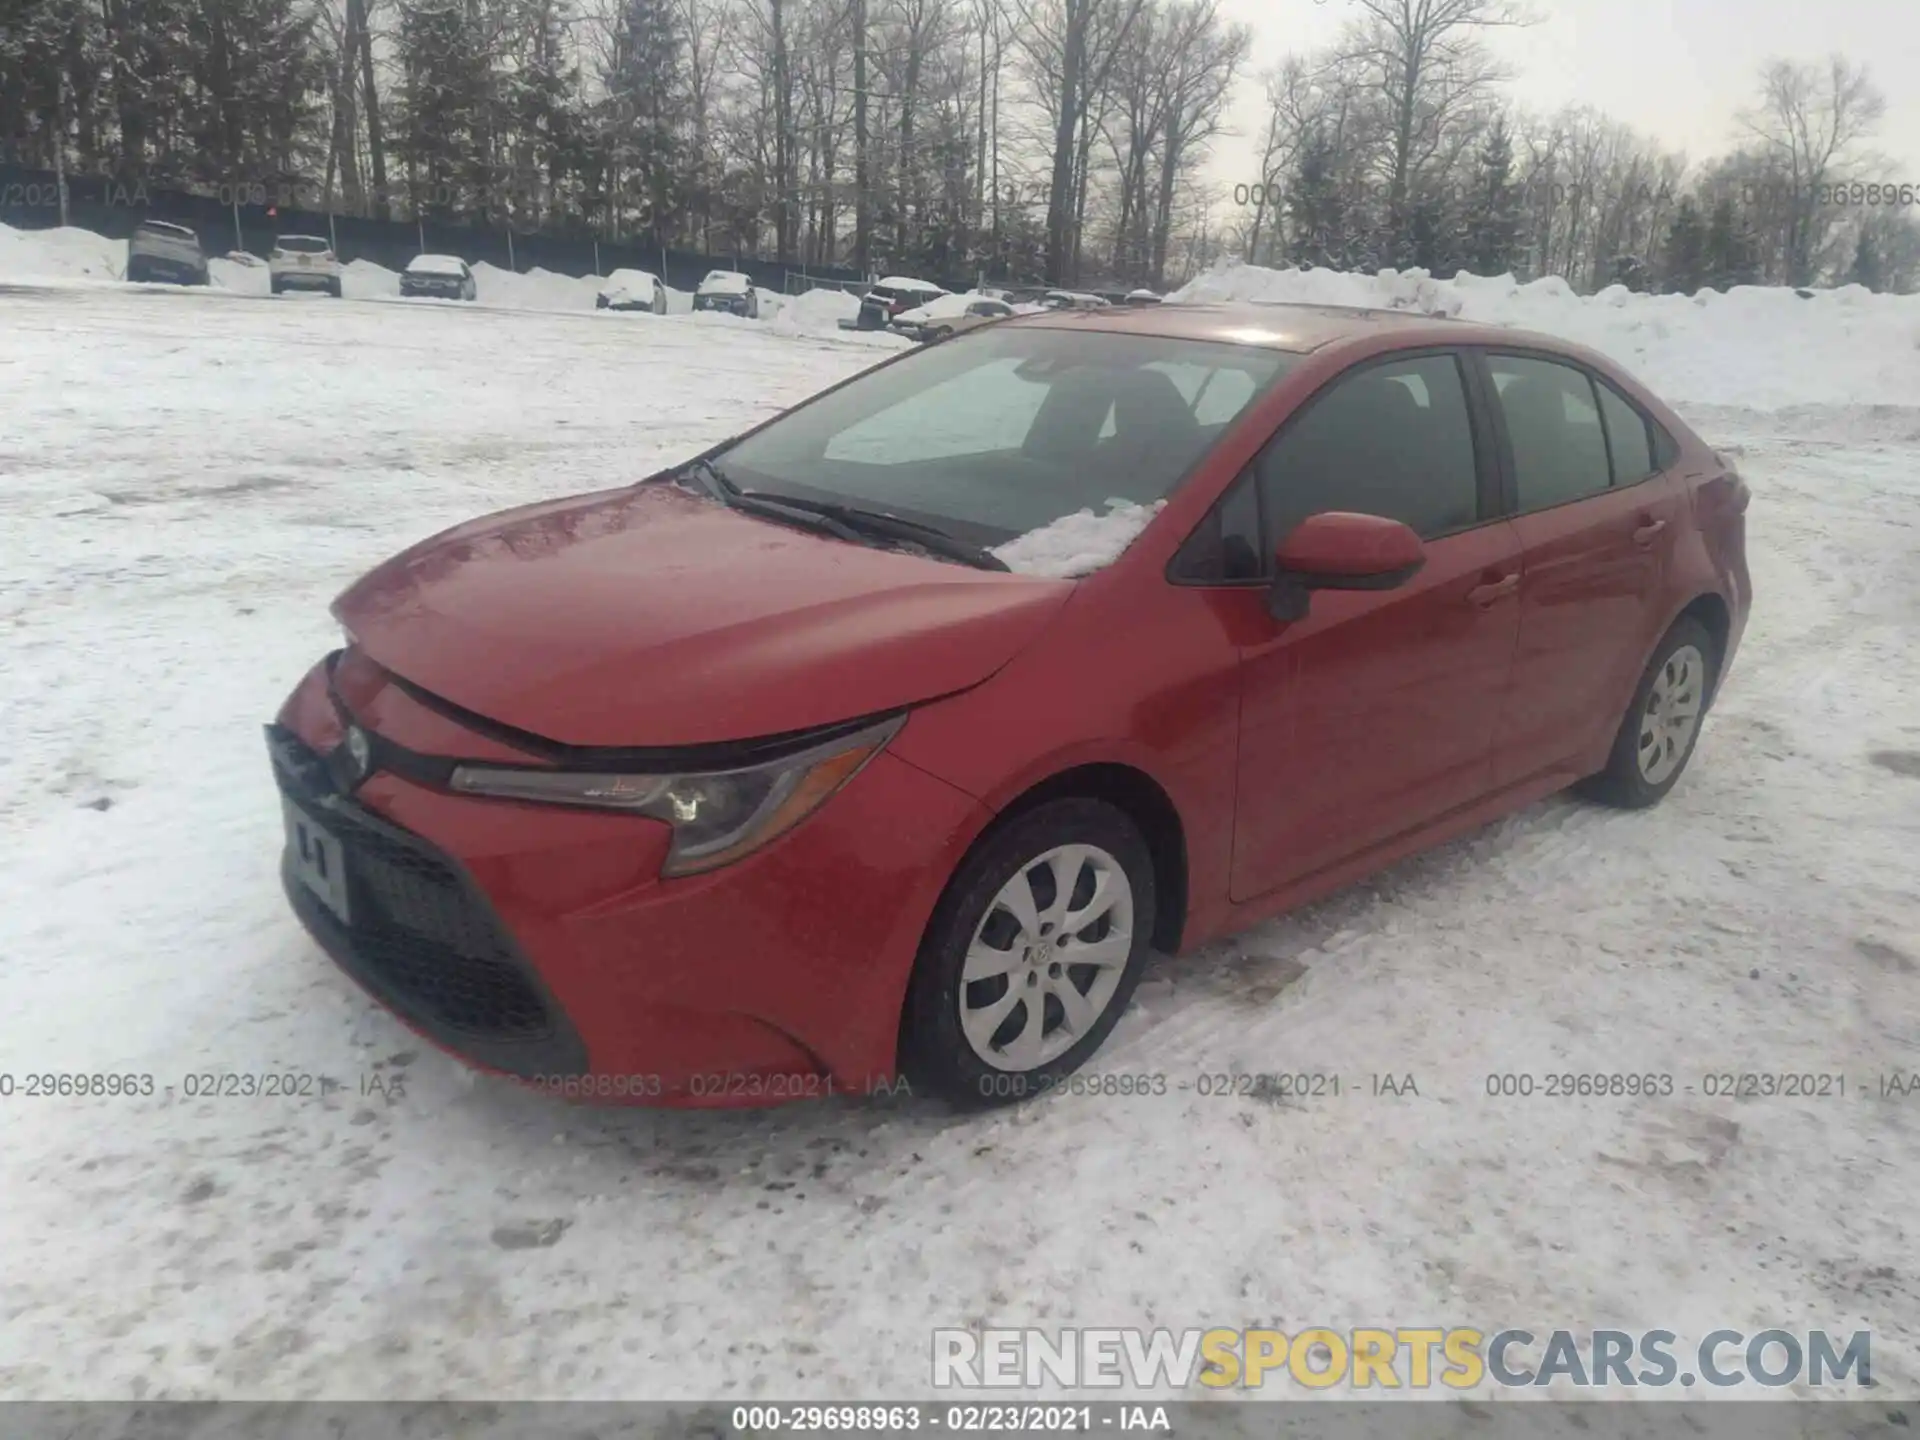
{"points": [[305, 279], [540, 941], [450, 290], [732, 305]]}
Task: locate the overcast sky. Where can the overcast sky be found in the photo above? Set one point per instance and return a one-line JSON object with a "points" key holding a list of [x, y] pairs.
{"points": [[1677, 69]]}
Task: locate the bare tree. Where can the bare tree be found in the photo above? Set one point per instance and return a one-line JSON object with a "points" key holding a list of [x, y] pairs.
{"points": [[1427, 65], [1808, 118], [1061, 39]]}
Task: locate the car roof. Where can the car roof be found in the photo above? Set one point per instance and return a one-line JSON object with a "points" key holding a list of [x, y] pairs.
{"points": [[1298, 328]]}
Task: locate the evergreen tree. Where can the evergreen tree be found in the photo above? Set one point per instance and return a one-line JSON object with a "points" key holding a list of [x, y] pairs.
{"points": [[444, 110], [1433, 234], [1683, 268], [1868, 267], [1729, 257], [1628, 270], [256, 86], [1316, 208], [640, 138], [1493, 219]]}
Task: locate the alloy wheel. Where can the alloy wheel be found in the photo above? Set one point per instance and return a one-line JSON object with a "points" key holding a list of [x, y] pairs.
{"points": [[1047, 957]]}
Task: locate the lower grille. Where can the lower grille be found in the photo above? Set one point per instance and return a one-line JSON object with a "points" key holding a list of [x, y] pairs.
{"points": [[423, 938]]}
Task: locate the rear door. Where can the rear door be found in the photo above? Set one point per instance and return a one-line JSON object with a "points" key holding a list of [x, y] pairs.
{"points": [[1596, 521], [1375, 714]]}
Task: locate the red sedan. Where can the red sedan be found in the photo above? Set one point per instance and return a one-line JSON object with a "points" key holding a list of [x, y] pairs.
{"points": [[892, 737]]}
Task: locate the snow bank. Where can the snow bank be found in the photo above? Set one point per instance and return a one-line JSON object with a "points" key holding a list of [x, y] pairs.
{"points": [[64, 253], [819, 309], [1756, 347], [1080, 543]]}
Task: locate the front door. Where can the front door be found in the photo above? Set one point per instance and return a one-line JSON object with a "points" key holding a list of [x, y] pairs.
{"points": [[1376, 714]]}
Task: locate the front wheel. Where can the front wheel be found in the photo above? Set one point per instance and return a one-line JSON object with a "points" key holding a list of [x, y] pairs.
{"points": [[1662, 724], [333, 288], [1031, 955]]}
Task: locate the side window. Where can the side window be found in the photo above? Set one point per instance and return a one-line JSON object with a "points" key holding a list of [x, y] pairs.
{"points": [[1227, 546], [1666, 449], [1627, 434], [1393, 440], [1553, 424]]}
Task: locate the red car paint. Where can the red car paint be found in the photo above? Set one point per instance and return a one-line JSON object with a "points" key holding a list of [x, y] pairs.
{"points": [[1271, 761]]}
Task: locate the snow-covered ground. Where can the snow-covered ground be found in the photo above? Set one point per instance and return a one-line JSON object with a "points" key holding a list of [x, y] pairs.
{"points": [[186, 478]]}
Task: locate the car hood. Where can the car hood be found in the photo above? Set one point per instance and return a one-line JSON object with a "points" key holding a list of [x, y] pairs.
{"points": [[649, 616]]}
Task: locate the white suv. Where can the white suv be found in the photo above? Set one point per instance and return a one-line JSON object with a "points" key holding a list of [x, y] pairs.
{"points": [[304, 262]]}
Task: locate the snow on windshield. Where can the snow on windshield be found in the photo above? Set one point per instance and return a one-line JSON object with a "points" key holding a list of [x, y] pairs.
{"points": [[1080, 543], [434, 265], [726, 283]]}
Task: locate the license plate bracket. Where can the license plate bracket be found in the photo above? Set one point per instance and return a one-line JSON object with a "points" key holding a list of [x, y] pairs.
{"points": [[317, 860]]}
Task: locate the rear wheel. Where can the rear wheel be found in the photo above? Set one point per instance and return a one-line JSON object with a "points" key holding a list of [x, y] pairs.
{"points": [[1662, 724], [1031, 955], [333, 288]]}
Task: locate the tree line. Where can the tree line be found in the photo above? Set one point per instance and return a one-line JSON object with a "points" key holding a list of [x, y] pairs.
{"points": [[1398, 146], [1069, 141]]}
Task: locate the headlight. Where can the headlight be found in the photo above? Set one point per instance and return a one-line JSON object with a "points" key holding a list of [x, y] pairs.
{"points": [[717, 816]]}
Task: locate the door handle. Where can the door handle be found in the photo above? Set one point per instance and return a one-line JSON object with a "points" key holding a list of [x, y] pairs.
{"points": [[1646, 533], [1485, 595]]}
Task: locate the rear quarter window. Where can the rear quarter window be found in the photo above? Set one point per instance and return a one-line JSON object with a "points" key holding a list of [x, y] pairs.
{"points": [[1629, 437]]}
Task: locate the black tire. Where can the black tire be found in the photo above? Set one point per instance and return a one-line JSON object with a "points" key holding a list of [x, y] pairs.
{"points": [[136, 272], [275, 286], [935, 336], [1623, 783], [936, 1056], [333, 288]]}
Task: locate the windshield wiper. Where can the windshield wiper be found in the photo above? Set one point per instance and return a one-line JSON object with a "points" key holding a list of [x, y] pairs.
{"points": [[711, 478], [891, 527], [716, 482], [844, 522]]}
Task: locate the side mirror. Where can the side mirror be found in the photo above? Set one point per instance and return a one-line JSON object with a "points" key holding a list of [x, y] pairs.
{"points": [[1335, 550]]}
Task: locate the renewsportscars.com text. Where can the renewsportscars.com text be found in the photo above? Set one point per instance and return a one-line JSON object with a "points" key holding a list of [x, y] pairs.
{"points": [[1391, 1358]]}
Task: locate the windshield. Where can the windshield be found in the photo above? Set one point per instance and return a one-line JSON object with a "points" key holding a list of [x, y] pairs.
{"points": [[1012, 428]]}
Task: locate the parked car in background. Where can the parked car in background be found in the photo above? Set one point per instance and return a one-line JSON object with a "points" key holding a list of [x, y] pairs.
{"points": [[1072, 300], [162, 250], [1144, 297], [845, 748], [730, 292], [893, 297], [949, 315], [304, 262], [445, 277], [633, 290]]}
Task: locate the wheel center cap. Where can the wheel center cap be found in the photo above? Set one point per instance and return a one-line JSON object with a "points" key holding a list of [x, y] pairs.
{"points": [[1042, 953]]}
